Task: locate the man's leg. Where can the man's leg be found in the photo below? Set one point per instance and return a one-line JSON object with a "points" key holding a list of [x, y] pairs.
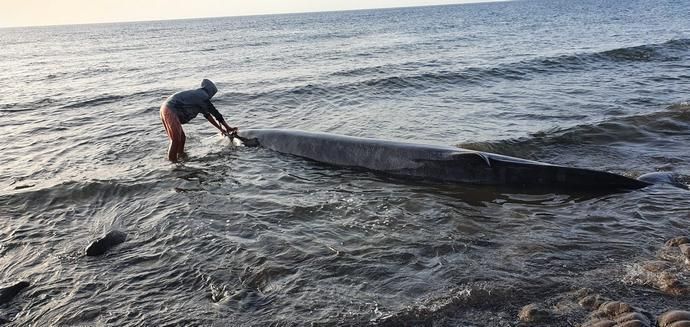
{"points": [[183, 140], [175, 133], [172, 151]]}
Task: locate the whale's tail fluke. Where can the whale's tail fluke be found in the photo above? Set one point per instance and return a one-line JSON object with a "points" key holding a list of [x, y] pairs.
{"points": [[664, 178]]}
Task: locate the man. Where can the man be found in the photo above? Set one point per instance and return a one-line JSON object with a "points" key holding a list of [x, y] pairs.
{"points": [[182, 107]]}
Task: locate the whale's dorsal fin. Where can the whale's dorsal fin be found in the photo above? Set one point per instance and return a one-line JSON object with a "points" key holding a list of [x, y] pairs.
{"points": [[467, 154], [485, 158]]}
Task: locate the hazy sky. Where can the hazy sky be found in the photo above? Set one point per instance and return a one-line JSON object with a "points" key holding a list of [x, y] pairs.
{"points": [[55, 12]]}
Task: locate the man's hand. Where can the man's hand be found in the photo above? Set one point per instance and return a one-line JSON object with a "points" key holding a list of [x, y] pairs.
{"points": [[228, 129], [229, 132]]}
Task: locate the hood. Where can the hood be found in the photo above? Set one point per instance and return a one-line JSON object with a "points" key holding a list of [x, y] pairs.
{"points": [[209, 87]]}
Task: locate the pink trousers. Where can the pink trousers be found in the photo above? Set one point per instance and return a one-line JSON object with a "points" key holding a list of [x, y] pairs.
{"points": [[175, 133]]}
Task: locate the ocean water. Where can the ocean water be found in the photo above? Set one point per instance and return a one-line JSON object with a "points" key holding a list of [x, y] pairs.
{"points": [[245, 236]]}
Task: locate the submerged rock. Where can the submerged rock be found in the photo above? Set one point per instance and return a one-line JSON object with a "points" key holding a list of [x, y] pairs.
{"points": [[668, 272], [105, 243], [592, 302], [8, 293], [685, 250], [677, 241], [671, 284], [663, 276], [533, 313]]}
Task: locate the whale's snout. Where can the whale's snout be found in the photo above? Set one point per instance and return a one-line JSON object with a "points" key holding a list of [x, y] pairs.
{"points": [[664, 178]]}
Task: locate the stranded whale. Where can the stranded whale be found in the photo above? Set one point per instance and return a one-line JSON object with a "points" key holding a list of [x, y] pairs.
{"points": [[432, 162]]}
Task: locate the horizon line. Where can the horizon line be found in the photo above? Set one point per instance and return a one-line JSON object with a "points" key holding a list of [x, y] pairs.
{"points": [[474, 2]]}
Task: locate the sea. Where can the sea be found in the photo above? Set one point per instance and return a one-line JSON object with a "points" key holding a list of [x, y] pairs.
{"points": [[241, 236]]}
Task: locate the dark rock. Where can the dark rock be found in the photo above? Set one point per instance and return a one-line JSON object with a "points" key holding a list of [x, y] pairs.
{"points": [[615, 308], [673, 318], [8, 293], [633, 317], [600, 323], [105, 243], [633, 323], [619, 314]]}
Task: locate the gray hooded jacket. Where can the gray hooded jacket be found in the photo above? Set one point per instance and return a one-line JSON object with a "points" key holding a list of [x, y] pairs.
{"points": [[188, 104]]}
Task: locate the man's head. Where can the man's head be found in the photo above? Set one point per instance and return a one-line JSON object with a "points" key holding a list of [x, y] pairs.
{"points": [[209, 87]]}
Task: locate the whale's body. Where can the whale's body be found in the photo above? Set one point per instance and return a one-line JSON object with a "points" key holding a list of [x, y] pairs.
{"points": [[432, 162]]}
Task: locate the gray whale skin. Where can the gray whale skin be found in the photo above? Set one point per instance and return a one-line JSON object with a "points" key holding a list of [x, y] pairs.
{"points": [[432, 162]]}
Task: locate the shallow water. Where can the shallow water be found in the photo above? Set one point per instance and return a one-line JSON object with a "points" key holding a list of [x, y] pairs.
{"points": [[247, 236]]}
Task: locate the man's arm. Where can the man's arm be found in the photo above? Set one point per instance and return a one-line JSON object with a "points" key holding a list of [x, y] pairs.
{"points": [[214, 123], [212, 111]]}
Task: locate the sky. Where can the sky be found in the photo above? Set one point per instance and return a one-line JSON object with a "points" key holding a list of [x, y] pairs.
{"points": [[61, 12]]}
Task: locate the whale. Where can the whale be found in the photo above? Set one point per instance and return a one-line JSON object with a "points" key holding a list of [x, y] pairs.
{"points": [[105, 243], [429, 162]]}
